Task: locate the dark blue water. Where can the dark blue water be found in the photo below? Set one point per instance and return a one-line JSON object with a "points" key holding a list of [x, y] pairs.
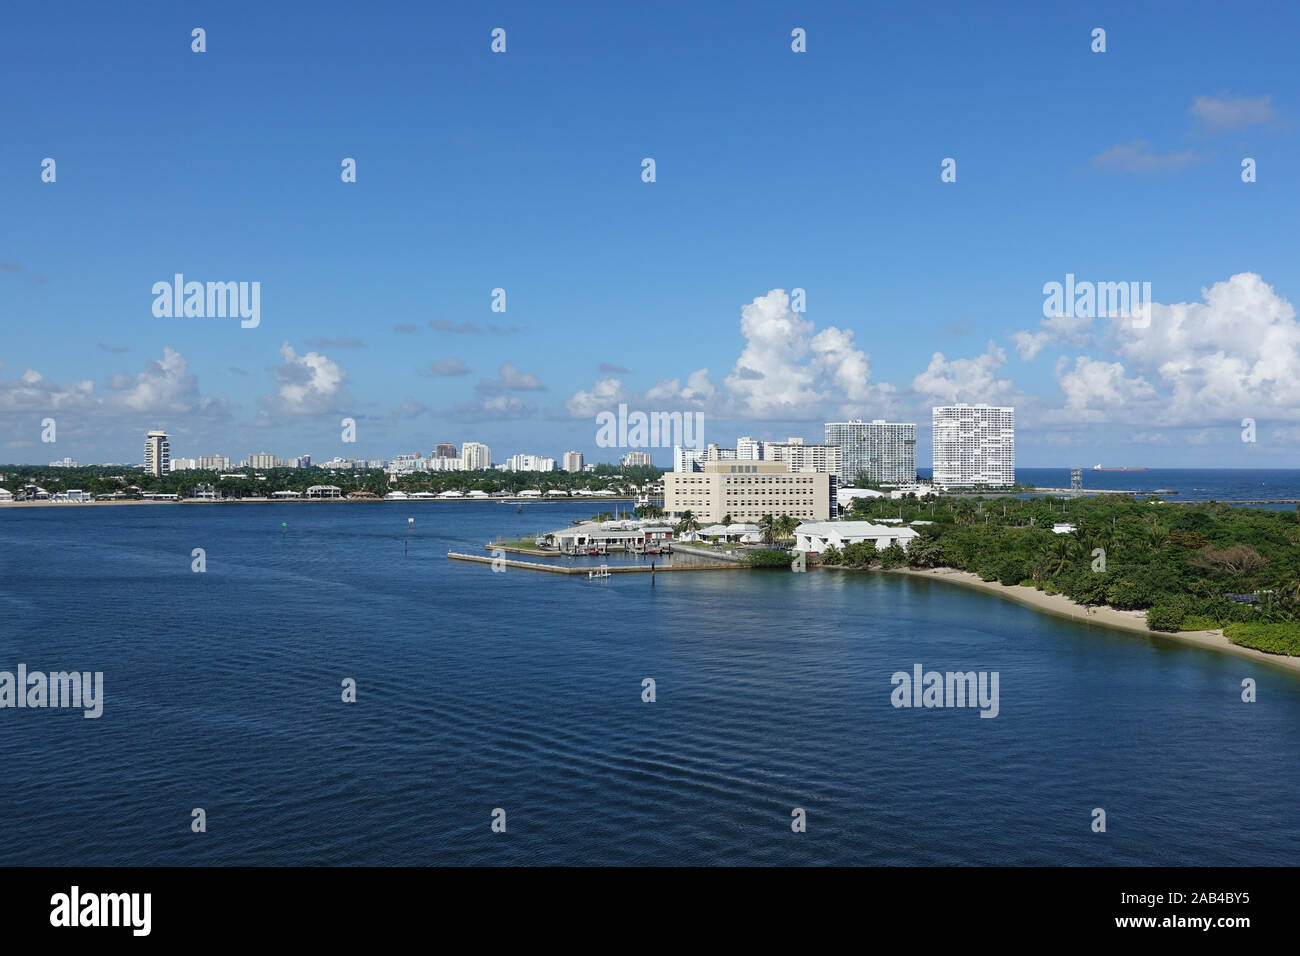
{"points": [[518, 690], [1192, 484]]}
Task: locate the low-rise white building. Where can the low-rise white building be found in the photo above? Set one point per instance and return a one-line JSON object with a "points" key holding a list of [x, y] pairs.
{"points": [[844, 496], [815, 537], [742, 533]]}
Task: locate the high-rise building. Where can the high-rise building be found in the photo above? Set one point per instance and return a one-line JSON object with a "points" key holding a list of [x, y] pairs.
{"points": [[635, 459], [573, 461], [749, 449], [263, 460], [878, 451], [214, 463], [974, 446], [747, 491], [713, 453], [475, 456], [445, 449], [157, 453], [799, 456], [687, 459], [529, 463]]}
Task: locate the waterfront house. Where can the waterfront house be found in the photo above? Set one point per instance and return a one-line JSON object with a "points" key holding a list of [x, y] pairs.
{"points": [[815, 537], [738, 533], [324, 491], [605, 536]]}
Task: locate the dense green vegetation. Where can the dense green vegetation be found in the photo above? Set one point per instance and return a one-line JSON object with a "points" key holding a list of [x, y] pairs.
{"points": [[859, 554], [109, 479], [1190, 567], [1270, 638], [770, 558]]}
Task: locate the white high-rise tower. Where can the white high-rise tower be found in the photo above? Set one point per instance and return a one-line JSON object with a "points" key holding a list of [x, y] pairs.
{"points": [[974, 446]]}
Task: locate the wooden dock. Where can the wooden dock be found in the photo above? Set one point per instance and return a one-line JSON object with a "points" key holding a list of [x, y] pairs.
{"points": [[613, 569]]}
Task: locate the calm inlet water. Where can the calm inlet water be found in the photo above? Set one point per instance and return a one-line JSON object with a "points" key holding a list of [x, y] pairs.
{"points": [[523, 691]]}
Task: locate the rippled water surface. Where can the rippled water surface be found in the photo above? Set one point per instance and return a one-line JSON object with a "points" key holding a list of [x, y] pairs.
{"points": [[522, 691]]}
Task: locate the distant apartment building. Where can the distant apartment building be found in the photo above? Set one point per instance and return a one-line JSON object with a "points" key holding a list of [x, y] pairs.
{"points": [[573, 461], [157, 453], [442, 463], [747, 491], [799, 456], [65, 463], [714, 453], [445, 449], [687, 459], [338, 463], [214, 463], [302, 461], [263, 460], [529, 463], [636, 459], [878, 451], [407, 464], [974, 446], [748, 449], [184, 464], [475, 456]]}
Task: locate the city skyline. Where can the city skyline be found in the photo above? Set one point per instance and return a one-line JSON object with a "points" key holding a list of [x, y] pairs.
{"points": [[540, 312]]}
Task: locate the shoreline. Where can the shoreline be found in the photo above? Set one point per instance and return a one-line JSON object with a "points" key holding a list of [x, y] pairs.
{"points": [[295, 501], [1132, 621]]}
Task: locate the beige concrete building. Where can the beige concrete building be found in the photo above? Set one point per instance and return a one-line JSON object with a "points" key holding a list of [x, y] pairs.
{"points": [[747, 491]]}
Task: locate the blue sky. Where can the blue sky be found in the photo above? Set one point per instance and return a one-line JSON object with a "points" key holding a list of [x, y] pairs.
{"points": [[775, 170]]}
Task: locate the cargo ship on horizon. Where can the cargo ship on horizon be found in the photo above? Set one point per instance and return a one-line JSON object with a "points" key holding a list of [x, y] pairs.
{"points": [[1100, 468]]}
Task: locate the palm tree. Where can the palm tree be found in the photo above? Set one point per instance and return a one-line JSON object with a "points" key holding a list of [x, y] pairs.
{"points": [[1062, 551], [726, 519], [785, 526], [767, 527], [687, 522]]}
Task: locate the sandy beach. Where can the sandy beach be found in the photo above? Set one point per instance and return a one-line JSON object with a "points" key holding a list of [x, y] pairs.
{"points": [[1135, 621]]}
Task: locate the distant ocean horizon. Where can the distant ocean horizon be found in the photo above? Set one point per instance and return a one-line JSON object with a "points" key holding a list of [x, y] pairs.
{"points": [[1191, 484]]}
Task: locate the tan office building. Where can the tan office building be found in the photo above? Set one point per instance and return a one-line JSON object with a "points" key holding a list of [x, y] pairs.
{"points": [[747, 490]]}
